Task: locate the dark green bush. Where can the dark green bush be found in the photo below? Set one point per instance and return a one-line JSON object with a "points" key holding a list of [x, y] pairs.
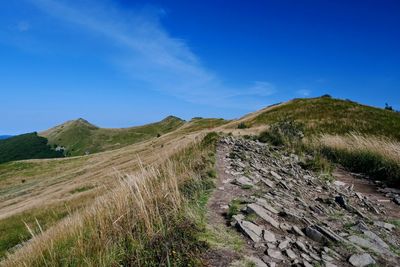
{"points": [[283, 133], [242, 125]]}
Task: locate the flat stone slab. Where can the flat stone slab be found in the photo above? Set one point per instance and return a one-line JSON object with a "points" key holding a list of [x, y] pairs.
{"points": [[269, 236], [290, 254], [276, 176], [284, 244], [361, 260], [266, 205], [274, 253], [263, 213], [253, 231], [268, 182], [297, 230], [366, 244], [243, 180], [387, 226]]}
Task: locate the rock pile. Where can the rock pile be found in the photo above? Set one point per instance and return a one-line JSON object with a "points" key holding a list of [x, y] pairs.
{"points": [[291, 217]]}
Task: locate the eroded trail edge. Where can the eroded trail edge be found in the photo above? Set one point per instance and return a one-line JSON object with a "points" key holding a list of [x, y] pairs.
{"points": [[287, 216]]}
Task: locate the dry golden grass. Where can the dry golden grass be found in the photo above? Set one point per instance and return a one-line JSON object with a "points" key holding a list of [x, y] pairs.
{"points": [[376, 157], [51, 181], [118, 226], [353, 142]]}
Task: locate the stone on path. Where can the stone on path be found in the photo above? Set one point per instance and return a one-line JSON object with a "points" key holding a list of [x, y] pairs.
{"points": [[266, 205], [276, 176], [284, 244], [297, 230], [274, 253], [361, 260], [269, 236], [243, 181], [263, 213], [290, 254], [366, 244], [314, 234], [387, 226], [268, 182], [252, 230]]}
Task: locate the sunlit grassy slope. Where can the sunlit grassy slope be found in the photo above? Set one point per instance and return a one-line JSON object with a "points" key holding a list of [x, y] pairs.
{"points": [[334, 116], [47, 190], [43, 194], [79, 136]]}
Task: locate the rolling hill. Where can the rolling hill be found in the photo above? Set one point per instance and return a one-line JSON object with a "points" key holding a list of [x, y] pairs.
{"points": [[80, 137], [329, 115], [2, 137]]}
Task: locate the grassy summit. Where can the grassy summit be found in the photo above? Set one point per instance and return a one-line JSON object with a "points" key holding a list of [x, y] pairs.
{"points": [[79, 136], [334, 116]]}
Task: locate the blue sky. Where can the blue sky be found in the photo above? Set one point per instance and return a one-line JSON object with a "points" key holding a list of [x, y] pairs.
{"points": [[119, 63]]}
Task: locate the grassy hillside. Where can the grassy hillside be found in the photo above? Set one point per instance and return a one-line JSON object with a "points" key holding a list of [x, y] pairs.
{"points": [[147, 219], [26, 146], [79, 136], [333, 116]]}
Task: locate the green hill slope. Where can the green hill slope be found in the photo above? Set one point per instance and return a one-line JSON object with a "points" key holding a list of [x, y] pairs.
{"points": [[333, 116], [26, 146], [79, 136]]}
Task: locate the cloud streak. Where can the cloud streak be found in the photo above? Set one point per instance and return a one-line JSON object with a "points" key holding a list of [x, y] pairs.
{"points": [[150, 54]]}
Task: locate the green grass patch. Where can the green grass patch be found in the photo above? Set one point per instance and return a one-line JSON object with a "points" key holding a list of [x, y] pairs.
{"points": [[334, 116], [234, 208], [246, 186], [13, 230]]}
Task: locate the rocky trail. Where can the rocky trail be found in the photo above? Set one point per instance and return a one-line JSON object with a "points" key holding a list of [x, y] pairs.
{"points": [[290, 217]]}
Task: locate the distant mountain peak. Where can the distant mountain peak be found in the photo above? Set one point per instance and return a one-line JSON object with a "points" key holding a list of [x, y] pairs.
{"points": [[172, 117]]}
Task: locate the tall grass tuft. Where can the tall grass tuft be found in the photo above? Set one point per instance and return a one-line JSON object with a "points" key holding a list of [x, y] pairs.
{"points": [[144, 221], [378, 157]]}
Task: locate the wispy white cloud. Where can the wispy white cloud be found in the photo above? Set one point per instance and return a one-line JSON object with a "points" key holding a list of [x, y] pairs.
{"points": [[303, 92], [150, 54]]}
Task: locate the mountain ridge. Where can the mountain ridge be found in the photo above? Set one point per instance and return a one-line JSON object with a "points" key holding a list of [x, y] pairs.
{"points": [[81, 137]]}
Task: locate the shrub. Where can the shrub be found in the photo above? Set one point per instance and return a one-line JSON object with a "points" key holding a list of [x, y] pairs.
{"points": [[242, 125], [388, 107], [326, 96]]}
